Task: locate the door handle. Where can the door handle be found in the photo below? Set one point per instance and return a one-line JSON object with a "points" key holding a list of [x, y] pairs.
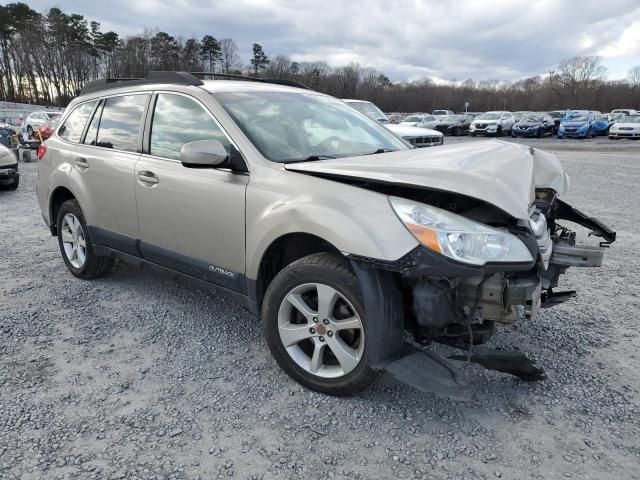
{"points": [[81, 163], [148, 178]]}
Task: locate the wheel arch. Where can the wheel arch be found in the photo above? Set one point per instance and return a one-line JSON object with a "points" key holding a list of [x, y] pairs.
{"points": [[59, 195], [281, 252]]}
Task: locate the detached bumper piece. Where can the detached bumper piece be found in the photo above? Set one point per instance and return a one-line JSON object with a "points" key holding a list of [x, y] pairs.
{"points": [[429, 372]]}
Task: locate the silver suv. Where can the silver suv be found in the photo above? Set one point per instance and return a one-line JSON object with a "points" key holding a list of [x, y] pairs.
{"points": [[341, 235]]}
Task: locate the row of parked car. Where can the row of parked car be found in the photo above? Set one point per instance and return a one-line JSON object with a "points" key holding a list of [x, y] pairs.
{"points": [[619, 123]]}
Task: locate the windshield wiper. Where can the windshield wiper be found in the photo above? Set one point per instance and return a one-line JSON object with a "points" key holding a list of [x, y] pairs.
{"points": [[380, 150], [311, 158]]}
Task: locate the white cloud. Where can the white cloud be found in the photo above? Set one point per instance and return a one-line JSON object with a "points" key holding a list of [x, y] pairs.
{"points": [[628, 45], [407, 39]]}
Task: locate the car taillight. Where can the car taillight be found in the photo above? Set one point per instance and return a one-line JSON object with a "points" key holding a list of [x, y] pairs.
{"points": [[42, 149]]}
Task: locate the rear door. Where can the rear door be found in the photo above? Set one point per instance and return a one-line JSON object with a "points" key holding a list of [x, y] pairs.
{"points": [[104, 165], [191, 219]]}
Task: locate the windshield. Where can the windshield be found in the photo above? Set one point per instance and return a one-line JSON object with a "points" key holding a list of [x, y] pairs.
{"points": [[630, 119], [413, 119], [577, 118], [489, 116], [531, 118], [289, 127], [450, 118]]}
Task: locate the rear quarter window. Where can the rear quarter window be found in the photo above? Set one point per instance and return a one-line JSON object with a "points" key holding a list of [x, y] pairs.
{"points": [[73, 126]]}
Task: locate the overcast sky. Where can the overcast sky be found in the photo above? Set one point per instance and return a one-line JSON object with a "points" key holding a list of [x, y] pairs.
{"points": [[443, 39]]}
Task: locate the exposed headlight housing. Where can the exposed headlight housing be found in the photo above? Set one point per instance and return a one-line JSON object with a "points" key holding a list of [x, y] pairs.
{"points": [[458, 237]]}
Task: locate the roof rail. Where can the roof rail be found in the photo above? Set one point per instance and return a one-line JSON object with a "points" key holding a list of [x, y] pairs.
{"points": [[177, 78], [232, 76]]}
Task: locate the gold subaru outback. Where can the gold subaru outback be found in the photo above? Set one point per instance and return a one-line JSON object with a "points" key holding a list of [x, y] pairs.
{"points": [[356, 249]]}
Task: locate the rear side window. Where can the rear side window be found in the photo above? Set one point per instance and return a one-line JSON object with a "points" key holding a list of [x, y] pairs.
{"points": [[178, 120], [120, 122], [73, 126]]}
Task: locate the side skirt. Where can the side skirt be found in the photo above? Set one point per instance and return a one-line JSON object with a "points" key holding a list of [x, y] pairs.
{"points": [[237, 297]]}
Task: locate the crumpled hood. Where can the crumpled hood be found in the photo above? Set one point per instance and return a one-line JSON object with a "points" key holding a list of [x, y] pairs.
{"points": [[488, 122], [500, 173], [574, 124], [409, 131]]}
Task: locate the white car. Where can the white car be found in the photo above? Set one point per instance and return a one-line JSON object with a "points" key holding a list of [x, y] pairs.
{"points": [[492, 123], [625, 111], [443, 113], [422, 121], [36, 119], [418, 137], [626, 127]]}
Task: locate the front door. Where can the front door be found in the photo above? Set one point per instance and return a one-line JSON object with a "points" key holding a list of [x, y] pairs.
{"points": [[191, 220]]}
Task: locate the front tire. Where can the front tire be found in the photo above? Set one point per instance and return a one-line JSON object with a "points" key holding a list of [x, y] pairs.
{"points": [[315, 327], [75, 244]]}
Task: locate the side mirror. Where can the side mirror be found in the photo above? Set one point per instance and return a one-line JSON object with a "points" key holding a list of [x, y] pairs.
{"points": [[203, 154]]}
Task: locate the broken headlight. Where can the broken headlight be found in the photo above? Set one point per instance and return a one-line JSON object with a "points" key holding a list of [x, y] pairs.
{"points": [[458, 237]]}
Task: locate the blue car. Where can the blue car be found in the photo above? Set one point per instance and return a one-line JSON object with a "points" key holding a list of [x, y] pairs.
{"points": [[603, 124], [577, 125]]}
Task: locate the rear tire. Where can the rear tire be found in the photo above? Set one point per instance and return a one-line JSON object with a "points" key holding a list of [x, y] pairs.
{"points": [[75, 244], [294, 303]]}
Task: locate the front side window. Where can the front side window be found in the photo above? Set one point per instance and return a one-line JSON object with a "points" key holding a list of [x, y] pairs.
{"points": [[72, 129], [289, 127], [178, 120], [370, 110], [120, 122]]}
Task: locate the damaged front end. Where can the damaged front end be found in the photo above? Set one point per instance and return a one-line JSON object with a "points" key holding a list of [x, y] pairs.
{"points": [[439, 299]]}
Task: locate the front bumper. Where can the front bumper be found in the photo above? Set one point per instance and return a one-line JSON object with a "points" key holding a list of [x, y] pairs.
{"points": [[529, 132], [8, 174], [573, 133], [488, 130], [623, 134], [445, 299]]}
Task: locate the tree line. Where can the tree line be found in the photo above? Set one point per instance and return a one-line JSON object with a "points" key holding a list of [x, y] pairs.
{"points": [[46, 58]]}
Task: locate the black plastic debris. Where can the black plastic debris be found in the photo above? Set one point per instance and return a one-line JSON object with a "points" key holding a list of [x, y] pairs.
{"points": [[514, 363]]}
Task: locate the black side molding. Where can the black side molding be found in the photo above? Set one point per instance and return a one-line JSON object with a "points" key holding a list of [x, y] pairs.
{"points": [[237, 297]]}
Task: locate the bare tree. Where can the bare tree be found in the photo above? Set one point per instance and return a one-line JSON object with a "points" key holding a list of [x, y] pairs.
{"points": [[634, 76], [580, 74], [230, 60]]}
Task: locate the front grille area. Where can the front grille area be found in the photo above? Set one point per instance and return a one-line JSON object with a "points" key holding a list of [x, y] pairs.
{"points": [[424, 141], [571, 130], [481, 125]]}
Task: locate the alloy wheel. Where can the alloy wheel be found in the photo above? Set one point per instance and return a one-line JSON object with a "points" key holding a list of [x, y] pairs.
{"points": [[321, 330], [73, 241]]}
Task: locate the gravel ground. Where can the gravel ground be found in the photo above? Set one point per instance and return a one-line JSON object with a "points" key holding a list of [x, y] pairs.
{"points": [[137, 375]]}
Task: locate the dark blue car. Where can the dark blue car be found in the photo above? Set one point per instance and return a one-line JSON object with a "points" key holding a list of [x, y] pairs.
{"points": [[578, 124], [533, 125]]}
